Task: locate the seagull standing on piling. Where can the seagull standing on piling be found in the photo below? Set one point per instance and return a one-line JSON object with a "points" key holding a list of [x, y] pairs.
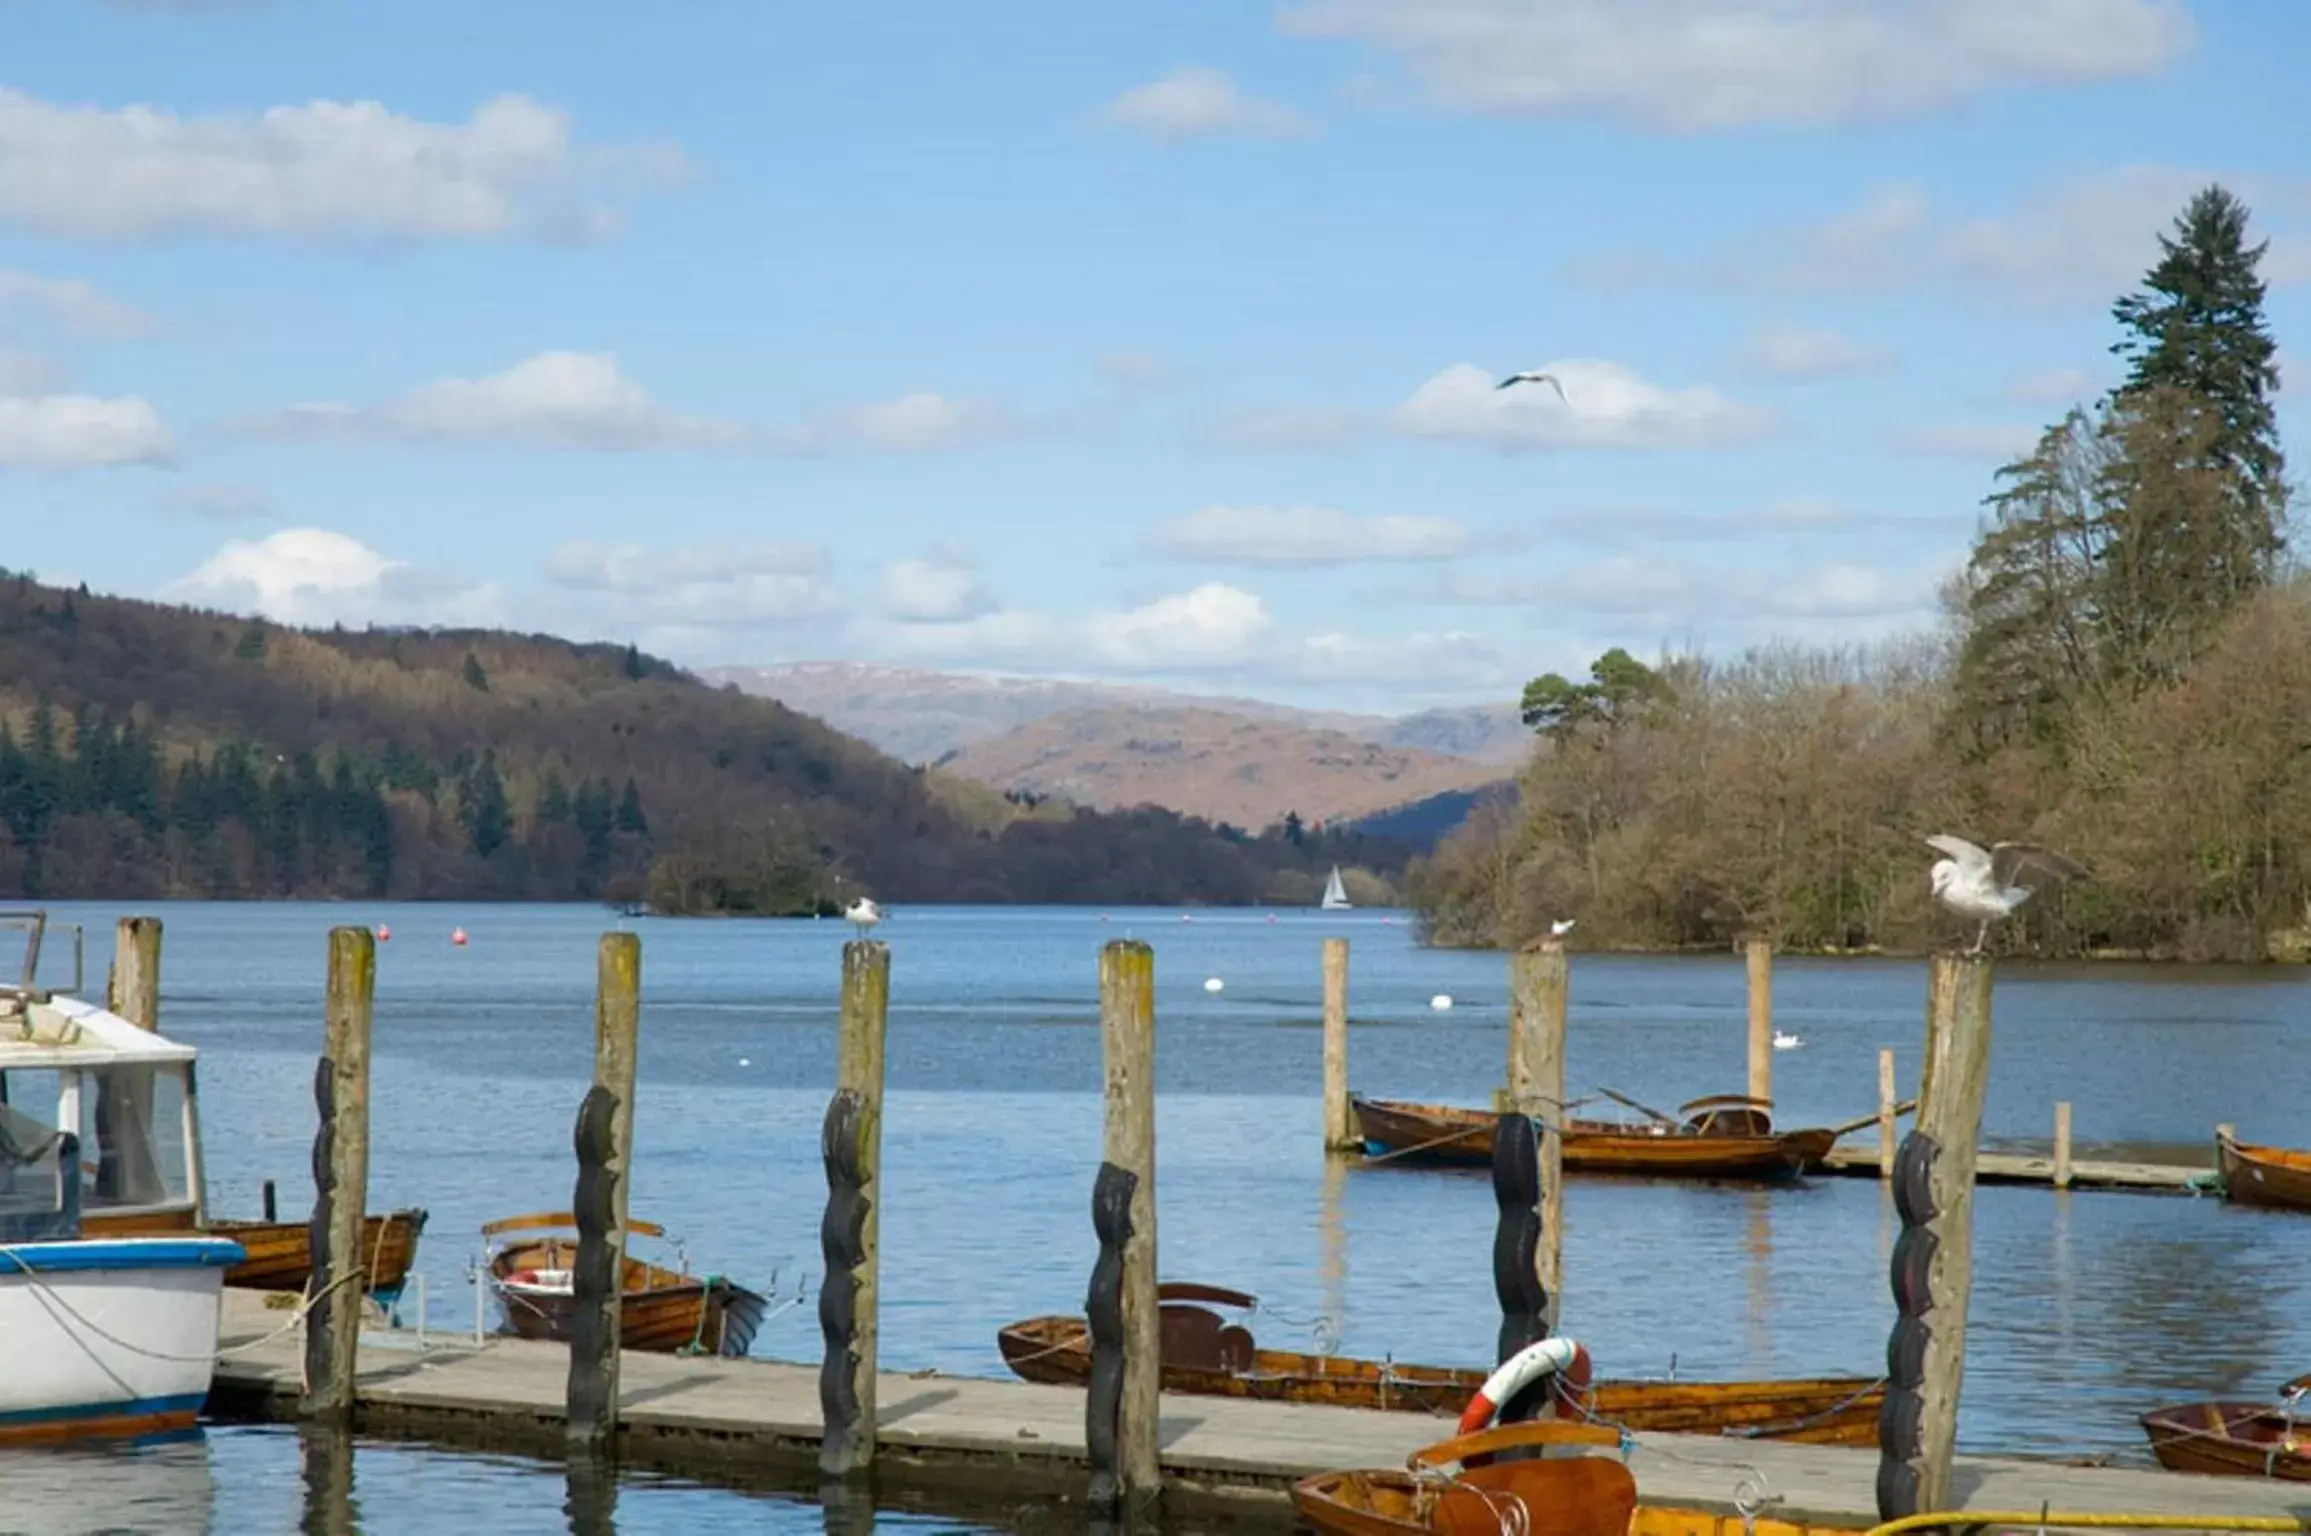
{"points": [[1535, 377], [1561, 927], [1980, 885], [862, 914]]}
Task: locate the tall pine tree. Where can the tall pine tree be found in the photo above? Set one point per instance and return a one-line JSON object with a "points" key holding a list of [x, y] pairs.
{"points": [[2197, 328]]}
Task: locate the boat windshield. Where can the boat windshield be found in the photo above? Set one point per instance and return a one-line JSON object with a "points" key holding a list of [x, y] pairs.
{"points": [[129, 1127], [37, 1202]]}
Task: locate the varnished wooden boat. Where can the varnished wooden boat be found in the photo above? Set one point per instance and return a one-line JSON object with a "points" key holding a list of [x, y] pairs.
{"points": [[280, 1253], [2234, 1439], [1206, 1356], [2268, 1176], [1722, 1137], [662, 1309], [1563, 1480]]}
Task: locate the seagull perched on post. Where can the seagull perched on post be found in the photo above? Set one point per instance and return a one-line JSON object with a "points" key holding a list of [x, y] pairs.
{"points": [[862, 914], [1532, 377], [1980, 885], [1560, 927]]}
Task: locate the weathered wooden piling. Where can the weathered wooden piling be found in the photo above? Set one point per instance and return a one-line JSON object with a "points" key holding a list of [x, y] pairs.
{"points": [[1759, 951], [851, 1145], [604, 1143], [1539, 981], [2062, 1144], [1120, 1427], [127, 1171], [1932, 1271], [340, 1179], [1885, 1114], [1339, 1122]]}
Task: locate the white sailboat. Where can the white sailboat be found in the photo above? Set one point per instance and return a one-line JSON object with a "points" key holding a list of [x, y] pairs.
{"points": [[1335, 894]]}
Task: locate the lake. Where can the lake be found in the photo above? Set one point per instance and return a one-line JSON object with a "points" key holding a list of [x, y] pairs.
{"points": [[2088, 1307]]}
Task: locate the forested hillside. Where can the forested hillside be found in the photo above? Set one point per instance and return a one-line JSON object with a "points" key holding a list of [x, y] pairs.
{"points": [[148, 751], [2125, 673]]}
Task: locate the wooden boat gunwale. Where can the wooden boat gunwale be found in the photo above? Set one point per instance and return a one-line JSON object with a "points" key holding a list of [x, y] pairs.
{"points": [[2207, 1438], [2257, 1174], [658, 1304], [1055, 1349]]}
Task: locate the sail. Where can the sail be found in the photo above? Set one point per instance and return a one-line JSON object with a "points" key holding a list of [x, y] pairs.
{"points": [[1335, 894]]}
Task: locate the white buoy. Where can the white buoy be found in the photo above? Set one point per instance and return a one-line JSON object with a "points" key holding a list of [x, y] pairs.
{"points": [[1440, 1002], [1213, 984], [745, 1061]]}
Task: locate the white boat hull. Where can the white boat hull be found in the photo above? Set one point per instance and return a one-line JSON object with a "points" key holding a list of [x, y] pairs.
{"points": [[108, 1337]]}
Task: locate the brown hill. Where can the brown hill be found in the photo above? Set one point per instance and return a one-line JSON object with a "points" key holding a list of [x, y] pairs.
{"points": [[149, 750], [1219, 766]]}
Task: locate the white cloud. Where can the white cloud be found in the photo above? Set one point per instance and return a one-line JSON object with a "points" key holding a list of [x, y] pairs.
{"points": [[1292, 429], [1605, 406], [80, 432], [920, 422], [566, 400], [1194, 101], [1305, 536], [1211, 627], [1793, 352], [2054, 386], [1428, 663], [701, 588], [312, 576], [69, 305], [1690, 65], [1999, 443], [945, 589], [29, 373], [1641, 586], [323, 169], [216, 503]]}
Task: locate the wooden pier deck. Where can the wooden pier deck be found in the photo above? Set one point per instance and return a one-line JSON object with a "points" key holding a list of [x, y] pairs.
{"points": [[1860, 1160], [747, 1419]]}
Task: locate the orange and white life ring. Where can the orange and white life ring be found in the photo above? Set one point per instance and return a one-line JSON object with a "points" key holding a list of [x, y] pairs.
{"points": [[1562, 1358]]}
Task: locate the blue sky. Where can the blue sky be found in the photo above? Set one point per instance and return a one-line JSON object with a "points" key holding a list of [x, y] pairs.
{"points": [[1149, 343]]}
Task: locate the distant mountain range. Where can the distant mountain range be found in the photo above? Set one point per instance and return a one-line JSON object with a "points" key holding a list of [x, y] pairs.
{"points": [[1244, 761]]}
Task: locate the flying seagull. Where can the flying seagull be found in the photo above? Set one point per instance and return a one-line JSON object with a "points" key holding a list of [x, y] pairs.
{"points": [[1549, 379], [863, 914], [1980, 885]]}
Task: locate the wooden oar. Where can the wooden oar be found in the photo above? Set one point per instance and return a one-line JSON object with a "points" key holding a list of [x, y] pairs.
{"points": [[1643, 1109], [1870, 1119]]}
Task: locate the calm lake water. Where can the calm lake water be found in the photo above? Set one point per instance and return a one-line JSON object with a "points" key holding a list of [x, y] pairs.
{"points": [[2088, 1308]]}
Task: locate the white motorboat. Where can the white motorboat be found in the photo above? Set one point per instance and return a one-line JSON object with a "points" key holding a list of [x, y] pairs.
{"points": [[103, 1336]]}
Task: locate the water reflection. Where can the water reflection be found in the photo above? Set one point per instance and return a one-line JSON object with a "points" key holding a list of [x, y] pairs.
{"points": [[326, 1459], [1332, 1237], [1757, 1242], [590, 1495], [159, 1485]]}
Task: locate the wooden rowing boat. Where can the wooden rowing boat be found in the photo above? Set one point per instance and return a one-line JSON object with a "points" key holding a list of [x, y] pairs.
{"points": [[1204, 1355], [2279, 1177], [1721, 1137], [1560, 1480], [280, 1253], [2235, 1439], [668, 1310]]}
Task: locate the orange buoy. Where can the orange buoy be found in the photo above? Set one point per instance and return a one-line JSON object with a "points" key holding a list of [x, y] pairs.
{"points": [[384, 932], [457, 936]]}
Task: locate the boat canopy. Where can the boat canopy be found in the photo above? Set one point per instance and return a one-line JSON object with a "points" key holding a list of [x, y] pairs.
{"points": [[66, 1034]]}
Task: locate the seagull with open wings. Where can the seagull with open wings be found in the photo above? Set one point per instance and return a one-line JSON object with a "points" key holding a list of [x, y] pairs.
{"points": [[1981, 884]]}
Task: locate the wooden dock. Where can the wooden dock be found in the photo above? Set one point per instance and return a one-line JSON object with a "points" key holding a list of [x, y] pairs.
{"points": [[756, 1422], [1855, 1160]]}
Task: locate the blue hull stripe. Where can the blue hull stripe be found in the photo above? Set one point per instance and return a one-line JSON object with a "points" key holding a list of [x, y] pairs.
{"points": [[135, 1408], [121, 1253]]}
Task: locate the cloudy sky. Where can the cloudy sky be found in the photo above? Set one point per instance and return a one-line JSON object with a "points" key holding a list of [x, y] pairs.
{"points": [[1150, 342]]}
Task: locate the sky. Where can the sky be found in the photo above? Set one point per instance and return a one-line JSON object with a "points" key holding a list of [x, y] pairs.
{"points": [[1152, 343]]}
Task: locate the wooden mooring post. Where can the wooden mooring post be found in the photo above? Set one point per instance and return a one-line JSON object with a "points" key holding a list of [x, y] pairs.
{"points": [[1759, 951], [1339, 1122], [851, 1144], [604, 1142], [1932, 1271], [2062, 1145], [1886, 1103], [133, 1177], [341, 1180], [1126, 1338], [1539, 980]]}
